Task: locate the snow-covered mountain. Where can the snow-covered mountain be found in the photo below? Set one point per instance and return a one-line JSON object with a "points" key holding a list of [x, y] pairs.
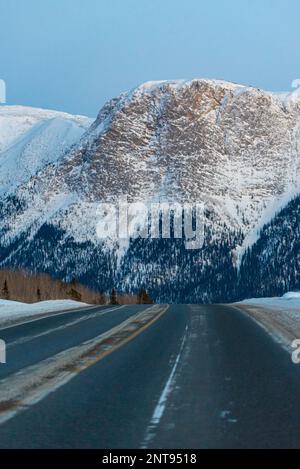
{"points": [[31, 138], [274, 257], [233, 147]]}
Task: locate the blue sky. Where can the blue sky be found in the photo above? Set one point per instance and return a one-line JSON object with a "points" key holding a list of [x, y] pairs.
{"points": [[73, 55]]}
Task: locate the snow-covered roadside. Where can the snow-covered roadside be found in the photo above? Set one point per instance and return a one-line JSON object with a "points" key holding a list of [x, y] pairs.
{"points": [[278, 316], [12, 312]]}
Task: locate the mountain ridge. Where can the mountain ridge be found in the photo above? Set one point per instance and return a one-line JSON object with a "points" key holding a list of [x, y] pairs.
{"points": [[233, 147]]}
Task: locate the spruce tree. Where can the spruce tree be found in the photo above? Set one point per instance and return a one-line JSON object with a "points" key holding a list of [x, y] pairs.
{"points": [[144, 298], [73, 293], [5, 291], [113, 297]]}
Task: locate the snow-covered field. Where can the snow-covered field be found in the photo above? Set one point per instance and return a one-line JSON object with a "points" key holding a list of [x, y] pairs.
{"points": [[279, 316], [14, 311]]}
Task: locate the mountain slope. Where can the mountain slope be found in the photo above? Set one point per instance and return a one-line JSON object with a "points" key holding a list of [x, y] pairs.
{"points": [[275, 257], [232, 147], [31, 138]]}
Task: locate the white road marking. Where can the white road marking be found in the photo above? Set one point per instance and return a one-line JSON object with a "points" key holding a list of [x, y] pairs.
{"points": [[46, 316], [161, 405], [26, 339], [32, 384]]}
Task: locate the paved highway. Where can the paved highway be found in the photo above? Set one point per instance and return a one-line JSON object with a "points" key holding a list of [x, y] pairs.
{"points": [[33, 341], [197, 377]]}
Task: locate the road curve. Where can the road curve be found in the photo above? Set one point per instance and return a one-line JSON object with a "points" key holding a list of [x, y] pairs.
{"points": [[198, 377]]}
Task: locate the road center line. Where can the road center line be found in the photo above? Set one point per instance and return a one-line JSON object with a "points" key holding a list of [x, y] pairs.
{"points": [[161, 405]]}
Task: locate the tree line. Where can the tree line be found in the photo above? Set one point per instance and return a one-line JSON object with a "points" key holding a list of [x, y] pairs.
{"points": [[27, 287]]}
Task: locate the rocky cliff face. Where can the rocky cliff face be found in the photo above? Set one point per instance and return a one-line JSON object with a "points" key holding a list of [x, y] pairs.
{"points": [[232, 147]]}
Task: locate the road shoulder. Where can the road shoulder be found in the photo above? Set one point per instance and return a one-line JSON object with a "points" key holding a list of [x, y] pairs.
{"points": [[283, 326]]}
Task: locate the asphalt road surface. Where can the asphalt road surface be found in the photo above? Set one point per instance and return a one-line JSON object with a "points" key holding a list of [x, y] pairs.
{"points": [[198, 377], [33, 341]]}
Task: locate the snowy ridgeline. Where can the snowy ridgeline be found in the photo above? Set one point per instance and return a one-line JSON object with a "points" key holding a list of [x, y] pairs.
{"points": [[12, 311], [233, 147], [32, 138], [279, 316], [185, 140]]}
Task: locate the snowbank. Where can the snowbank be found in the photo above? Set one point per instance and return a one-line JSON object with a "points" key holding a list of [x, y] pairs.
{"points": [[291, 295], [288, 302], [13, 311], [280, 316]]}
